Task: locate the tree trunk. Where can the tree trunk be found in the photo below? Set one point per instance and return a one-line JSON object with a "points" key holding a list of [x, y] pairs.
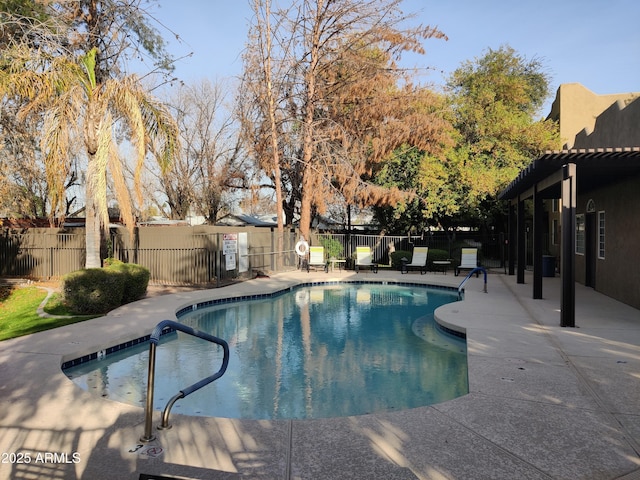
{"points": [[92, 234], [92, 215], [93, 219], [305, 203], [274, 138], [307, 139]]}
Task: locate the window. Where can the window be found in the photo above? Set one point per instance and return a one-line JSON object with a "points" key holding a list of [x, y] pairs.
{"points": [[601, 235], [580, 234]]}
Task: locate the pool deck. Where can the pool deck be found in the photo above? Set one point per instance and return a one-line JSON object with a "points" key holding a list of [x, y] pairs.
{"points": [[545, 402]]}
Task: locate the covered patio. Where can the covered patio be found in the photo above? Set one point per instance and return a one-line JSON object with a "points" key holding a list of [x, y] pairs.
{"points": [[561, 175]]}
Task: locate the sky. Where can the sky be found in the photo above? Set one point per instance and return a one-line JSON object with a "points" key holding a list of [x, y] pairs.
{"points": [[592, 42]]}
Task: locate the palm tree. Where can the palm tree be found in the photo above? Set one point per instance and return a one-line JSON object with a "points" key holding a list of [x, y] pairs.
{"points": [[81, 114]]}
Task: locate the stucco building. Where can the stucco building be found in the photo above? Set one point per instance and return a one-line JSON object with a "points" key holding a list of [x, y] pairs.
{"points": [[593, 186]]}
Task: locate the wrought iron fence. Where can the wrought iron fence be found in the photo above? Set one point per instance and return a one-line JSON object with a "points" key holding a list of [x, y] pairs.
{"points": [[491, 247], [210, 255]]}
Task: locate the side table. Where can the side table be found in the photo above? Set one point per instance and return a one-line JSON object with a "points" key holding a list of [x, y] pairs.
{"points": [[441, 265], [333, 262]]}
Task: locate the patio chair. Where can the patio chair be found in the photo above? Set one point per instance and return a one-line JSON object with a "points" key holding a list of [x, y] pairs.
{"points": [[316, 258], [468, 260], [418, 260], [363, 259]]}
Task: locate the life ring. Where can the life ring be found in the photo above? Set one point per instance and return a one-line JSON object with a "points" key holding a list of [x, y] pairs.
{"points": [[302, 247]]}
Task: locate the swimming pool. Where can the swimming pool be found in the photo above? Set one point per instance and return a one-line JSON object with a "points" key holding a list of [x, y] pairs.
{"points": [[315, 351]]}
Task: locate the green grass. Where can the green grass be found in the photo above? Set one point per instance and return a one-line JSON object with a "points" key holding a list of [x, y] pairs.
{"points": [[55, 306], [19, 316]]}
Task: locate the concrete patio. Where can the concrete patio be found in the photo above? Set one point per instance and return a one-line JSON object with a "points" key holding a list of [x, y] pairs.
{"points": [[545, 402]]}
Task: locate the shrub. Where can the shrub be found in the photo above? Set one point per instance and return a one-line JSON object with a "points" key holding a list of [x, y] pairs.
{"points": [[93, 290], [136, 279], [436, 255], [333, 248], [396, 258], [110, 261]]}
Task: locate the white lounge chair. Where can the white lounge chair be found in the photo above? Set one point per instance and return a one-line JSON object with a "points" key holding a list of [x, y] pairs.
{"points": [[418, 260], [363, 259], [468, 260], [316, 258]]}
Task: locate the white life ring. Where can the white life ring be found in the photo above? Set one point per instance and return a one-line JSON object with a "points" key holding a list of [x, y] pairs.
{"points": [[302, 247]]}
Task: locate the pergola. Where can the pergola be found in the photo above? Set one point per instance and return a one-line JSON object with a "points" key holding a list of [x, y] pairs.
{"points": [[560, 175]]}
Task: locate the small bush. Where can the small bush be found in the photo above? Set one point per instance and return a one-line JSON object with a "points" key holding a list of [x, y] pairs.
{"points": [[436, 255], [332, 247], [136, 279], [398, 255], [93, 290]]}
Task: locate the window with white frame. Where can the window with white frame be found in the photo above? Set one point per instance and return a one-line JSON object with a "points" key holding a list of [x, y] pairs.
{"points": [[580, 234], [601, 235]]}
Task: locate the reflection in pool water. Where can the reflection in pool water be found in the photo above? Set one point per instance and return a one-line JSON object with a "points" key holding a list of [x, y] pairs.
{"points": [[317, 351]]}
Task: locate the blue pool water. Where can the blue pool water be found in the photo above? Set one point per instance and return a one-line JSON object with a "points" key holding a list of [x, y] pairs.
{"points": [[314, 352]]}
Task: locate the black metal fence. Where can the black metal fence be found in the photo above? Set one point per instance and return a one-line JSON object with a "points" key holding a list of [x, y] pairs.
{"points": [[492, 247], [211, 255]]}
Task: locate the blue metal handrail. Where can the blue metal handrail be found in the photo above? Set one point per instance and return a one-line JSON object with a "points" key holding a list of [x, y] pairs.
{"points": [[154, 340], [477, 269]]}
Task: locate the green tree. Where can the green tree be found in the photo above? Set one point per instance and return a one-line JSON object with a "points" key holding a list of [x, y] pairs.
{"points": [[493, 104], [82, 114], [427, 180], [495, 101]]}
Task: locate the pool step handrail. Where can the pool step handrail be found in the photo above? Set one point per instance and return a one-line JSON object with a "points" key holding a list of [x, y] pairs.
{"points": [[153, 344], [477, 269]]}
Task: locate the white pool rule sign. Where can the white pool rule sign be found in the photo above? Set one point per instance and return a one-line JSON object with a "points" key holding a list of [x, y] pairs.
{"points": [[229, 249]]}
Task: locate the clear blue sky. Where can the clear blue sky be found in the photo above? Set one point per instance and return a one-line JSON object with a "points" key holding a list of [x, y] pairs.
{"points": [[593, 42]]}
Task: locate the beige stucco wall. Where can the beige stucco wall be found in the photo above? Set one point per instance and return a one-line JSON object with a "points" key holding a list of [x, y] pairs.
{"points": [[616, 127], [577, 109]]}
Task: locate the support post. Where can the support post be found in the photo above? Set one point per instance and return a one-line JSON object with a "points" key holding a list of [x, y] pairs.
{"points": [[522, 248], [537, 243], [513, 239], [568, 272]]}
